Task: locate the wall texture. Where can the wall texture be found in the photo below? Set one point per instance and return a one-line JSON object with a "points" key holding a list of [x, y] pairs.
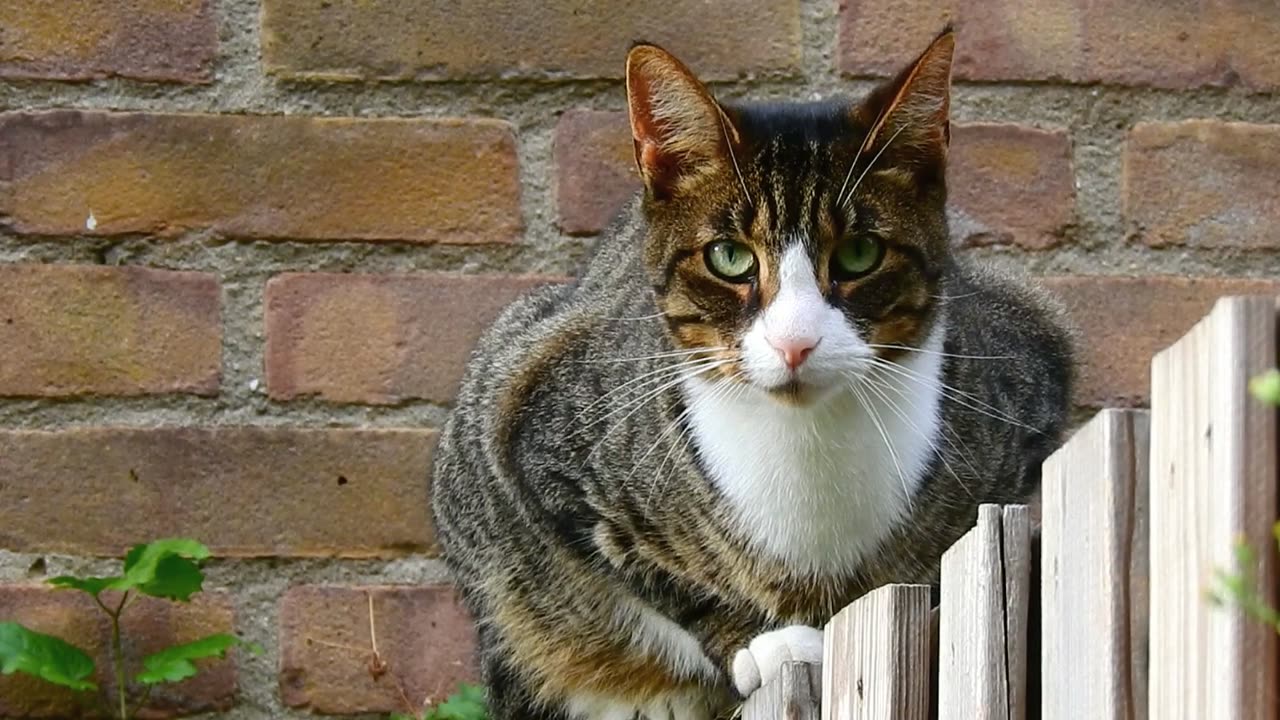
{"points": [[246, 244]]}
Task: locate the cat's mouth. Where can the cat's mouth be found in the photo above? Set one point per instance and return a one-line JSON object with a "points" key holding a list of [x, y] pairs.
{"points": [[795, 392]]}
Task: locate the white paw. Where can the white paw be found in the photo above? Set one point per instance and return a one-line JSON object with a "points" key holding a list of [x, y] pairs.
{"points": [[758, 663]]}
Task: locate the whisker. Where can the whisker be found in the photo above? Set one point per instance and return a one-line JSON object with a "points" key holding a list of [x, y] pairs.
{"points": [[879, 390], [651, 376], [866, 141], [956, 395], [640, 317], [639, 404], [875, 420], [870, 165], [658, 356], [732, 156], [898, 385], [956, 297], [939, 353]]}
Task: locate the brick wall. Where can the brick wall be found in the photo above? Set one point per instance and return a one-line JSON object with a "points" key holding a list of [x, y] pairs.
{"points": [[246, 244]]}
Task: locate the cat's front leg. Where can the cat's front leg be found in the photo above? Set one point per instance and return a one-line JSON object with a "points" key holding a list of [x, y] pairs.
{"points": [[761, 660]]}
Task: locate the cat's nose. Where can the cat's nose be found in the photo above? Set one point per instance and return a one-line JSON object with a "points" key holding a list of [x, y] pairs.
{"points": [[794, 351]]}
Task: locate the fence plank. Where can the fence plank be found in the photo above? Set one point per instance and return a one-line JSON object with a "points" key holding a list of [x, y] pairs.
{"points": [[876, 657], [793, 695], [1213, 479], [1016, 545], [1094, 600], [975, 656]]}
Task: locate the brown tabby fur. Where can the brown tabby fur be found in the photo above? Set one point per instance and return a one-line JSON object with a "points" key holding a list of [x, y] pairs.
{"points": [[561, 491]]}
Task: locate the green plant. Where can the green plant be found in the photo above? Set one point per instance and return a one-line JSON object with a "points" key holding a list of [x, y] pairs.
{"points": [[1241, 587], [468, 703], [168, 569]]}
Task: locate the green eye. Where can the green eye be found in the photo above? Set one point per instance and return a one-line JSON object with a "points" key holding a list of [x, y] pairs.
{"points": [[731, 260], [856, 257]]}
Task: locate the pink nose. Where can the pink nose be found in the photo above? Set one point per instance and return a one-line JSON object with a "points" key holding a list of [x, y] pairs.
{"points": [[794, 351]]}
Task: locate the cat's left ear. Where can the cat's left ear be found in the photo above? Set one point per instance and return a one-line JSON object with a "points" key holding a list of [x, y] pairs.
{"points": [[912, 112], [679, 130]]}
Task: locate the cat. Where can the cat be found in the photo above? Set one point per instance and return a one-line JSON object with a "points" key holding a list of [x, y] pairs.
{"points": [[772, 388]]}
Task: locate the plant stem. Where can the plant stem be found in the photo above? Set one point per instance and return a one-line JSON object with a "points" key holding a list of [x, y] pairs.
{"points": [[146, 695], [117, 657]]}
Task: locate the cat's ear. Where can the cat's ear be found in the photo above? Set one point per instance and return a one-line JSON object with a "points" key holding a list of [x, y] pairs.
{"points": [[679, 130], [911, 113]]}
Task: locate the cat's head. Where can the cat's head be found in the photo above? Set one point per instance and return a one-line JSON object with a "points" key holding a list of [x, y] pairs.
{"points": [[793, 243]]}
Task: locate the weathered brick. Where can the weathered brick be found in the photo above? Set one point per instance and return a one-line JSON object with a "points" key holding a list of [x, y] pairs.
{"points": [[595, 168], [1010, 184], [148, 625], [379, 338], [1158, 43], [167, 40], [424, 636], [276, 177], [410, 40], [1007, 183], [75, 330], [243, 491], [1203, 183], [1124, 321]]}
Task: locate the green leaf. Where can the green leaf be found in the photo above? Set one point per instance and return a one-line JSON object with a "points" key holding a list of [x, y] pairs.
{"points": [[176, 578], [165, 568], [44, 656], [175, 663], [91, 585], [1266, 387], [467, 704]]}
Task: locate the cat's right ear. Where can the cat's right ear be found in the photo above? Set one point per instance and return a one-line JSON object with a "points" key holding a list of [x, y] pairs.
{"points": [[679, 130]]}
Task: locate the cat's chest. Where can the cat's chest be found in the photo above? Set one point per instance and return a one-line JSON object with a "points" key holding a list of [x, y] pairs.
{"points": [[820, 488]]}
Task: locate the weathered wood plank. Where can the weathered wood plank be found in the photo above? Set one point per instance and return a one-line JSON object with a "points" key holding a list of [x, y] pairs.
{"points": [[875, 663], [1213, 480], [973, 682], [793, 695], [1015, 537], [1094, 572]]}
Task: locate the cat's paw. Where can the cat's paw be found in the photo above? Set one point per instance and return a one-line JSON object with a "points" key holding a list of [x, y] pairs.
{"points": [[759, 662]]}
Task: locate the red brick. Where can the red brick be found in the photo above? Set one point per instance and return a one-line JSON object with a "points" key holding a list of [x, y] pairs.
{"points": [[379, 339], [424, 636], [1203, 183], [148, 625], [1010, 184], [271, 177], [1158, 43], [410, 40], [595, 169], [168, 40], [1124, 321], [1007, 183], [243, 491], [76, 330]]}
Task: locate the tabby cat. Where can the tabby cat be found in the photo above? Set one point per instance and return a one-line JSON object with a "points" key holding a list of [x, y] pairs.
{"points": [[771, 389]]}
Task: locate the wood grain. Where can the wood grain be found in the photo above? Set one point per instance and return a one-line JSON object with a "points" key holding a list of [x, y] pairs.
{"points": [[1094, 601], [1213, 482], [793, 695], [876, 657]]}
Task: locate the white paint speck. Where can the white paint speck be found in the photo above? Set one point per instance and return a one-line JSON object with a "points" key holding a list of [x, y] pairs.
{"points": [[253, 385], [91, 222]]}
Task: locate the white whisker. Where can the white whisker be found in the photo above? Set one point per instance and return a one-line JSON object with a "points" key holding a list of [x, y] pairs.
{"points": [[939, 353], [732, 156], [658, 356], [879, 425], [956, 395], [870, 165]]}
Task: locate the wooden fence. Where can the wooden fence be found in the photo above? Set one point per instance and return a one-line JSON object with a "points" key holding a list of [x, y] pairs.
{"points": [[1138, 510]]}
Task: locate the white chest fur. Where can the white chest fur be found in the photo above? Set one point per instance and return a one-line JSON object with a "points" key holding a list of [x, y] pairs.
{"points": [[818, 487]]}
